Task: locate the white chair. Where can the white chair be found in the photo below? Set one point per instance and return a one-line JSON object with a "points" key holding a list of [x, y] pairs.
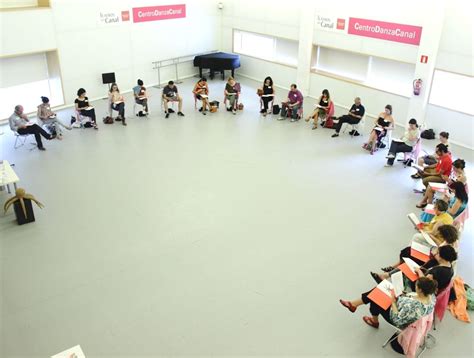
{"points": [[139, 105], [355, 127], [20, 140]]}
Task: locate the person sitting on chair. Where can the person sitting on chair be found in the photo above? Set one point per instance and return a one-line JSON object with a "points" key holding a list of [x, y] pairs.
{"points": [[170, 94], [267, 94], [322, 109], [84, 108], [457, 175], [201, 92], [432, 159], [456, 198], [20, 124], [232, 93], [405, 144], [438, 268], [441, 217], [404, 310], [448, 235], [141, 96], [439, 172], [293, 103], [48, 118], [353, 117], [383, 124], [117, 102]]}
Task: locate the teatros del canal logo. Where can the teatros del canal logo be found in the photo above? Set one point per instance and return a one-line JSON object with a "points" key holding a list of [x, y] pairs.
{"points": [[325, 23], [110, 17]]}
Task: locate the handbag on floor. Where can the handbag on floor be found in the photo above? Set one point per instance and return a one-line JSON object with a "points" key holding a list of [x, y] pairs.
{"points": [[108, 120], [276, 109]]}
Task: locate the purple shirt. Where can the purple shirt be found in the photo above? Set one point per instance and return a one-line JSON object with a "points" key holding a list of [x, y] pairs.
{"points": [[295, 96]]}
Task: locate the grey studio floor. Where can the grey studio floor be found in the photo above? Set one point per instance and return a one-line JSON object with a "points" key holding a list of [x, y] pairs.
{"points": [[211, 235]]}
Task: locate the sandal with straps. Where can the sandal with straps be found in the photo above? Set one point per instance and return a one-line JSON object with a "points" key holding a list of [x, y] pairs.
{"points": [[388, 269], [370, 321], [348, 305]]}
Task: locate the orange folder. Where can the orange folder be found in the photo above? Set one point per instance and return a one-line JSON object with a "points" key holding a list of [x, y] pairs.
{"points": [[419, 255], [407, 272], [380, 298]]}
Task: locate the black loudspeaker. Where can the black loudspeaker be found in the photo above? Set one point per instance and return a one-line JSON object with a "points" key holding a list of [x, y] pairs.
{"points": [[108, 78]]}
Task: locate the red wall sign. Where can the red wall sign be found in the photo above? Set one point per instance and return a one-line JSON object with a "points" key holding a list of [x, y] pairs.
{"points": [[126, 15], [341, 24], [424, 59], [390, 31], [155, 13]]}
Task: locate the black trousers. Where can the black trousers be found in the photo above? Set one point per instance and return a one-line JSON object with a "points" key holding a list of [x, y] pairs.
{"points": [[143, 102], [89, 113], [346, 119], [37, 131], [375, 309], [120, 108], [266, 101], [398, 147]]}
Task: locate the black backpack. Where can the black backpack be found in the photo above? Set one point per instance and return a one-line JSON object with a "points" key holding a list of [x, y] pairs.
{"points": [[428, 134], [276, 109]]}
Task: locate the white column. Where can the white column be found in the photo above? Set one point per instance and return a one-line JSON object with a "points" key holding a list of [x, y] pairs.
{"points": [[429, 44], [305, 48]]}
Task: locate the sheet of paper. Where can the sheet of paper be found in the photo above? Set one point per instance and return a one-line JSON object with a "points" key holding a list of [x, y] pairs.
{"points": [[87, 108], [386, 287], [397, 140], [408, 272], [378, 129], [424, 249], [429, 209], [438, 186], [74, 352], [418, 167], [397, 282], [414, 219], [204, 95], [428, 238], [412, 265]]}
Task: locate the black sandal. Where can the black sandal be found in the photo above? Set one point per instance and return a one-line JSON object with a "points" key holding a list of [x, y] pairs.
{"points": [[388, 269], [376, 277]]}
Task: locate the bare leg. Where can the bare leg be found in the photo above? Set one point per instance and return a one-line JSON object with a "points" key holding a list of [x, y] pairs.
{"points": [[180, 103], [165, 104]]}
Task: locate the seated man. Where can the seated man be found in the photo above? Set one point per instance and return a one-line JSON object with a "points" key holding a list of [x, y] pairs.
{"points": [[170, 94], [353, 117], [439, 172], [19, 123], [293, 103], [141, 97]]}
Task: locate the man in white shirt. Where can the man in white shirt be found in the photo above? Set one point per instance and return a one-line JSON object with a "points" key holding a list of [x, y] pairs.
{"points": [[20, 123]]}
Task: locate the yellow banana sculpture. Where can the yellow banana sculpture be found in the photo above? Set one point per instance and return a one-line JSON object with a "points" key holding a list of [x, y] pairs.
{"points": [[21, 195]]}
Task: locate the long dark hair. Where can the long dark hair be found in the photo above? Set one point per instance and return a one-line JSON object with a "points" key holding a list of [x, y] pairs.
{"points": [[326, 92], [460, 191], [112, 87], [268, 78]]}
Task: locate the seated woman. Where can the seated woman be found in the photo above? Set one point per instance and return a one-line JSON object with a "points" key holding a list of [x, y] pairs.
{"points": [[117, 102], [457, 201], [439, 268], [433, 159], [48, 118], [404, 310], [441, 217], [405, 144], [323, 110], [84, 108], [201, 92], [457, 175], [267, 95], [141, 96], [232, 93], [383, 123], [448, 235]]}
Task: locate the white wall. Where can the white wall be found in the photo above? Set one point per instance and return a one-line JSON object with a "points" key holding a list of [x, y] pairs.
{"points": [[87, 48], [454, 54]]}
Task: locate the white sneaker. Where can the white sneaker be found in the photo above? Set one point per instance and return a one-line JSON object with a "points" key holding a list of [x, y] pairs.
{"points": [[233, 111], [390, 156], [76, 125]]}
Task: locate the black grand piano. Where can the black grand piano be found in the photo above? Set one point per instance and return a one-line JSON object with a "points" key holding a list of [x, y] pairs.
{"points": [[217, 62]]}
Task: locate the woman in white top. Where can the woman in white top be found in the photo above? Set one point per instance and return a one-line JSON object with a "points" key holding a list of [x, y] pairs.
{"points": [[117, 102], [405, 144], [49, 118]]}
